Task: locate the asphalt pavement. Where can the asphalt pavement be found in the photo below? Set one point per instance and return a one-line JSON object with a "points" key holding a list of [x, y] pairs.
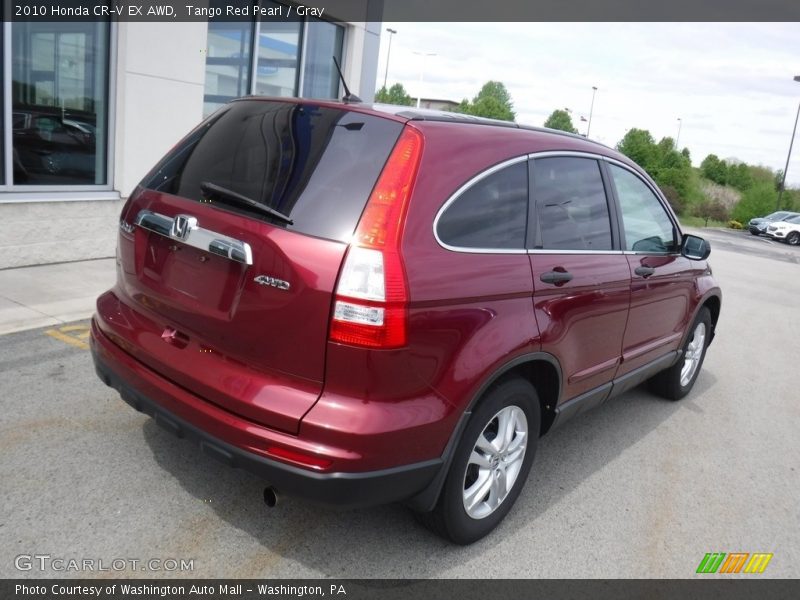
{"points": [[639, 487]]}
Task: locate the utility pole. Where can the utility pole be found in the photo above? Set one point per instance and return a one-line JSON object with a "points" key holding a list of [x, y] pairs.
{"points": [[388, 54]]}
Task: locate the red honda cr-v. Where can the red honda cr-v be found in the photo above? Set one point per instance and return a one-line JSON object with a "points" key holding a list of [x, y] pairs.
{"points": [[370, 304]]}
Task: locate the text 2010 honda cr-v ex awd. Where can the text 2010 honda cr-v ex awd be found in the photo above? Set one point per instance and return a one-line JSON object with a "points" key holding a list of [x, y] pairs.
{"points": [[369, 304]]}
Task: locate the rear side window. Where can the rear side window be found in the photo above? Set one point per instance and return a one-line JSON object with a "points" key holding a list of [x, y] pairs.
{"points": [[490, 215], [571, 203], [314, 164]]}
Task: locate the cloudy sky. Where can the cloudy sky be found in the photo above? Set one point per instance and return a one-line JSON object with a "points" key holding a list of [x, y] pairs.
{"points": [[730, 84]]}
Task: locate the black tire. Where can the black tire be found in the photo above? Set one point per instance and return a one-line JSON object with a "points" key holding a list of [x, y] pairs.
{"points": [[754, 232], [668, 383], [450, 518], [793, 239]]}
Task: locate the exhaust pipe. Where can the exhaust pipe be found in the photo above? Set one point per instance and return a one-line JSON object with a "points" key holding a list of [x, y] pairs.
{"points": [[271, 496]]}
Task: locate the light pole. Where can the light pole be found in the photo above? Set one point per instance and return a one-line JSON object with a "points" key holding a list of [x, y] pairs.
{"points": [[789, 156], [591, 110], [422, 56], [678, 137], [388, 54]]}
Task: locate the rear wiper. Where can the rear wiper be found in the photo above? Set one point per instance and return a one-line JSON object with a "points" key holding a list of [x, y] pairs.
{"points": [[211, 189]]}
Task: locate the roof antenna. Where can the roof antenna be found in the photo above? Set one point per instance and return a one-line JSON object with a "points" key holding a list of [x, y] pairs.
{"points": [[348, 97]]}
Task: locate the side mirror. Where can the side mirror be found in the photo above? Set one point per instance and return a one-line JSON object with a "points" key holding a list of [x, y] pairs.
{"points": [[695, 248]]}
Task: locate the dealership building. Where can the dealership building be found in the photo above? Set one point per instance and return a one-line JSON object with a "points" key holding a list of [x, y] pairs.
{"points": [[88, 107]]}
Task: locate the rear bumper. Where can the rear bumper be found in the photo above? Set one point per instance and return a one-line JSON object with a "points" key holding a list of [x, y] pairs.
{"points": [[350, 490]]}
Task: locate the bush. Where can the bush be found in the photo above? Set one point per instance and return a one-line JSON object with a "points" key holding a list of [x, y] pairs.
{"points": [[674, 199], [735, 224], [711, 209], [757, 201]]}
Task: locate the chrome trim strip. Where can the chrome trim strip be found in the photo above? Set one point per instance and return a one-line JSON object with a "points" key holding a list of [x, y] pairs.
{"points": [[542, 251], [455, 196], [575, 153], [185, 229]]}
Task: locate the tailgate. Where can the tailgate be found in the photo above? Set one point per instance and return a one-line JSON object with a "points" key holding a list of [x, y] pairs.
{"points": [[230, 302]]}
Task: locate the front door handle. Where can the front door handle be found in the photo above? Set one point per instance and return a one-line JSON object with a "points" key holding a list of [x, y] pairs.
{"points": [[644, 271], [556, 277]]}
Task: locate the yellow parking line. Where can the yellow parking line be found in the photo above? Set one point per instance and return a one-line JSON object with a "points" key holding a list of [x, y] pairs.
{"points": [[72, 341], [67, 328]]}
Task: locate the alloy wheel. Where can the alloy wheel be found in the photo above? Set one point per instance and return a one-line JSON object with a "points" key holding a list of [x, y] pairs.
{"points": [[495, 462], [693, 354]]}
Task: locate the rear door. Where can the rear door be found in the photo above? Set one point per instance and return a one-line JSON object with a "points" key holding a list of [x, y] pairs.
{"points": [[580, 276], [246, 292], [662, 280]]}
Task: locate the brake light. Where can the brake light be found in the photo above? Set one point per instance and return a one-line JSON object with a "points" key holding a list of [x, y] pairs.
{"points": [[370, 307]]}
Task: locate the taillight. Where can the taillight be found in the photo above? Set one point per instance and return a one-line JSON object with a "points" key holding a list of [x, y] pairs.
{"points": [[372, 294]]}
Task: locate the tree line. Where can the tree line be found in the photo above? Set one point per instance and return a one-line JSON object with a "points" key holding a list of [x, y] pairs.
{"points": [[720, 190]]}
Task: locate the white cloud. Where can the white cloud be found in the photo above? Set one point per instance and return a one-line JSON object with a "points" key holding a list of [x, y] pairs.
{"points": [[730, 83]]}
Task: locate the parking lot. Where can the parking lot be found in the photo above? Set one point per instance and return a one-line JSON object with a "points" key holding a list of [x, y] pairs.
{"points": [[640, 487]]}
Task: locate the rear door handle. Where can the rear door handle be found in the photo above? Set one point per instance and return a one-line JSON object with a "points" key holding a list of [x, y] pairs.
{"points": [[186, 230], [556, 277], [644, 271]]}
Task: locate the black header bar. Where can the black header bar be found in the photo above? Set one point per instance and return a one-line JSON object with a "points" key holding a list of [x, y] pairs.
{"points": [[405, 10]]}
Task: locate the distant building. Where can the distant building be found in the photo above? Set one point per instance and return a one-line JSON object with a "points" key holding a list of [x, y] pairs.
{"points": [[435, 104], [89, 107]]}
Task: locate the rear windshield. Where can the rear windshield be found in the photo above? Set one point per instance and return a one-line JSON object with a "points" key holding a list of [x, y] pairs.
{"points": [[314, 164]]}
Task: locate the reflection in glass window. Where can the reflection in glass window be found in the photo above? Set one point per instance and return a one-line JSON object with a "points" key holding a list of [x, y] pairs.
{"points": [[572, 206], [316, 165], [490, 215], [648, 228], [60, 103], [324, 41]]}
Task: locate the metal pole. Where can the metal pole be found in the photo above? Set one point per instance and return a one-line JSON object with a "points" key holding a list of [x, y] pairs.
{"points": [[388, 54], [677, 139], [791, 143], [591, 110]]}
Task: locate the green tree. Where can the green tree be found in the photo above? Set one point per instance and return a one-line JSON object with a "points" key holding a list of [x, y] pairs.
{"points": [[757, 201], [640, 147], [493, 101], [739, 176], [714, 169], [560, 119], [396, 95], [670, 167]]}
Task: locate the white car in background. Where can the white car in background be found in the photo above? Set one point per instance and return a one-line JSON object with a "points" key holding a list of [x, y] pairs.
{"points": [[788, 230]]}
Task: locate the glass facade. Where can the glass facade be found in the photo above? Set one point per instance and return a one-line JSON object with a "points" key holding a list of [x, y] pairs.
{"points": [[324, 40], [272, 57], [278, 57], [228, 71], [59, 111]]}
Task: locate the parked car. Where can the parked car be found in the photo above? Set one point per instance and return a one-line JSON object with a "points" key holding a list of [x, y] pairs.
{"points": [[787, 230], [371, 304], [759, 225]]}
